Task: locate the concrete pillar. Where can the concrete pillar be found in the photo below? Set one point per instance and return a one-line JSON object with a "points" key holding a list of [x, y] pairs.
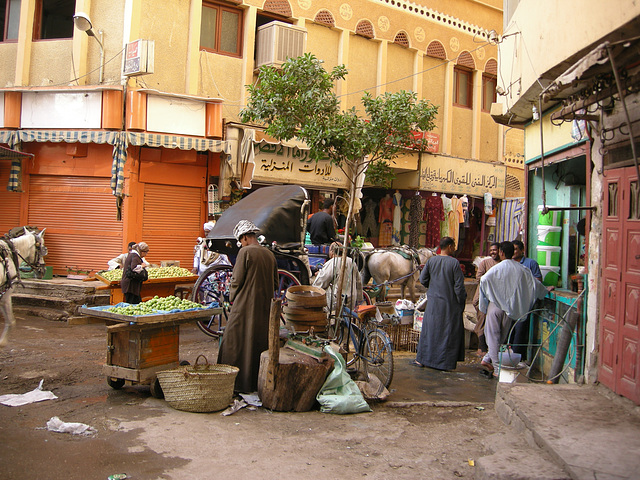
{"points": [[446, 110], [381, 78], [343, 59], [477, 110], [25, 40], [193, 48]]}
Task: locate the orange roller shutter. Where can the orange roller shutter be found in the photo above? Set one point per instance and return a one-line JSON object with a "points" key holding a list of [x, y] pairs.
{"points": [[172, 221], [80, 216]]}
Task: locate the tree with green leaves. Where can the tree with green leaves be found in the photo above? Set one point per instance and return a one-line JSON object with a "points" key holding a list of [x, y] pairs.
{"points": [[298, 100]]}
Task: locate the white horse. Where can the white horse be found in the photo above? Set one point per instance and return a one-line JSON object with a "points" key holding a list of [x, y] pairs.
{"points": [[396, 265], [28, 248]]}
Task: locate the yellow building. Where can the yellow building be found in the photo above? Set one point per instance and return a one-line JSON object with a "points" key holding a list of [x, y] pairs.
{"points": [[156, 122]]}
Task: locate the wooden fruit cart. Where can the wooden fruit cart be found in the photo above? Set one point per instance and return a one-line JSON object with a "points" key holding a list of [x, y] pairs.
{"points": [[163, 287], [140, 346]]}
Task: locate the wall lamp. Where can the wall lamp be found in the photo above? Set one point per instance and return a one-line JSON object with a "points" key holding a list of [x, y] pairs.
{"points": [[83, 23]]}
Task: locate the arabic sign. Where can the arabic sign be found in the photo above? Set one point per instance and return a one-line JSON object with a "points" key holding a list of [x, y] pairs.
{"points": [[432, 139], [281, 164], [453, 175]]}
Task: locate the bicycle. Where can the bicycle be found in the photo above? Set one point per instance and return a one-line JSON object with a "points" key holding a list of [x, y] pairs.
{"points": [[213, 286], [365, 344]]}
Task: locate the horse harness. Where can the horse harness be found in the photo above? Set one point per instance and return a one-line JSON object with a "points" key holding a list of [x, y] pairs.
{"points": [[8, 253]]}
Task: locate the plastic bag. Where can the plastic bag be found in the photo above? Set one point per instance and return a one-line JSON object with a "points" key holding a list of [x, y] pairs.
{"points": [[339, 394]]}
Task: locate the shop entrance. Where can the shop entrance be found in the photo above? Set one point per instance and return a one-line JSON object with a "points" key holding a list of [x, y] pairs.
{"points": [[620, 301]]}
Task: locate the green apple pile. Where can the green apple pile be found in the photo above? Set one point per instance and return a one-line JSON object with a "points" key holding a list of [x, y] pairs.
{"points": [[155, 305], [111, 275], [168, 272], [154, 272]]}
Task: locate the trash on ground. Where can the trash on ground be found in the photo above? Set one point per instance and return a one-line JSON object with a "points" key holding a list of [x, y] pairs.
{"points": [[118, 476], [237, 405], [57, 425], [252, 399], [19, 399]]}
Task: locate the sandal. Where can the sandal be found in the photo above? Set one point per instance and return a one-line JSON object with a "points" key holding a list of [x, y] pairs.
{"points": [[486, 374], [416, 363]]}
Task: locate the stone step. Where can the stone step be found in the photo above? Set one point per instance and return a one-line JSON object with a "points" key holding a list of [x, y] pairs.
{"points": [[60, 288], [23, 311], [512, 458], [32, 300]]}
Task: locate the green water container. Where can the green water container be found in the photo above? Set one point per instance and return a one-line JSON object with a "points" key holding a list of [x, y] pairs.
{"points": [[549, 235], [552, 218], [550, 276], [548, 256]]}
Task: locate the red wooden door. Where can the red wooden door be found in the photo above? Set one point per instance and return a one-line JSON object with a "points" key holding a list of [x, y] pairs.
{"points": [[620, 301]]}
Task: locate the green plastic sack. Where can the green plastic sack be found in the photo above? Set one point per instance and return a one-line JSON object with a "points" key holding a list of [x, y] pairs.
{"points": [[339, 394]]}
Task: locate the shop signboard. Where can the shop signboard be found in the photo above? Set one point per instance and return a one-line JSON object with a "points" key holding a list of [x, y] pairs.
{"points": [[277, 163], [457, 176]]}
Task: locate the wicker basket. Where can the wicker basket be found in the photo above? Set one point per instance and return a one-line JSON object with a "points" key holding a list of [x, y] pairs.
{"points": [[199, 387]]}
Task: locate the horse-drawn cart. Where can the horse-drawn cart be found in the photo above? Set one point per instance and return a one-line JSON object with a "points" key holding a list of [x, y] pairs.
{"points": [[280, 212], [140, 346]]}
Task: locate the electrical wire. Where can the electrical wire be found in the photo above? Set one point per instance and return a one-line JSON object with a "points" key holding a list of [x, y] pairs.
{"points": [[81, 76]]}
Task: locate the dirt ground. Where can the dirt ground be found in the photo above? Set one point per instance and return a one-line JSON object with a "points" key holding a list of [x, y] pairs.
{"points": [[145, 438]]}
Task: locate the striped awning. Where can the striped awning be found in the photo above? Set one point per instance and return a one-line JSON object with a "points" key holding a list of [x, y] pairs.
{"points": [[15, 171], [177, 141], [120, 141]]}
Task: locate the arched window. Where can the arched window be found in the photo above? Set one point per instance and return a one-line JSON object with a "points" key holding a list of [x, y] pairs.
{"points": [[324, 17], [436, 50], [280, 7], [402, 38], [365, 29], [463, 80]]}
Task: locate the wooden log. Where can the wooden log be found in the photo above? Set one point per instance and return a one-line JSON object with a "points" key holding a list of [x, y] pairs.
{"points": [[274, 343], [298, 379]]}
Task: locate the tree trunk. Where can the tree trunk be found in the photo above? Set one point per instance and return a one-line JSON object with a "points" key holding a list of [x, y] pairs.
{"points": [[352, 198]]}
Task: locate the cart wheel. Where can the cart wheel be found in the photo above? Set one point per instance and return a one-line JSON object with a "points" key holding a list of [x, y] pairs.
{"points": [[115, 383], [156, 389], [184, 362]]}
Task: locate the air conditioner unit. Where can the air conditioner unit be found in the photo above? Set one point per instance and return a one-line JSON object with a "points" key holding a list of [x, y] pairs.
{"points": [[277, 41]]}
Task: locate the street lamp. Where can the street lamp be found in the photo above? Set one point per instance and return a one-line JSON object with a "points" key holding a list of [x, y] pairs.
{"points": [[83, 23]]}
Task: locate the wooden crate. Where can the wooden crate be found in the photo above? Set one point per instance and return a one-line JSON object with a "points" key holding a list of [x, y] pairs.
{"points": [[414, 337], [399, 335]]}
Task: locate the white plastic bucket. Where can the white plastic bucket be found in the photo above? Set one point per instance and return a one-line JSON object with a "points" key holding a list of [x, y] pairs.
{"points": [[549, 235], [552, 218], [550, 275], [548, 256]]}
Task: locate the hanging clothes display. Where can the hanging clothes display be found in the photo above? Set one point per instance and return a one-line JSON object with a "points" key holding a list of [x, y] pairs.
{"points": [[509, 219], [385, 218], [397, 218], [433, 215], [444, 225], [464, 201], [454, 219], [415, 217], [369, 224]]}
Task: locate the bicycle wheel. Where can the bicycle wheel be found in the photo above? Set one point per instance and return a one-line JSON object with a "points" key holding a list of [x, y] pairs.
{"points": [[350, 340], [379, 356], [366, 298], [213, 286]]}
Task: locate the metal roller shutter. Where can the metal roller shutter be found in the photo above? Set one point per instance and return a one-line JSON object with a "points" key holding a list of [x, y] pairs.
{"points": [[80, 216], [9, 201], [171, 222]]}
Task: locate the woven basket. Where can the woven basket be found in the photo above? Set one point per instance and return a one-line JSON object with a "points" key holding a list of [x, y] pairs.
{"points": [[199, 387]]}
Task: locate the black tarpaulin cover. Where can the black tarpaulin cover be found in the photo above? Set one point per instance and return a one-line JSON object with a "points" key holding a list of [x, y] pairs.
{"points": [[276, 210]]}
